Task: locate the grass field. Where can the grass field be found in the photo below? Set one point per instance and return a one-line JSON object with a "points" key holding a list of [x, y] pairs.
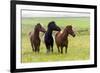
{"points": [[78, 48]]}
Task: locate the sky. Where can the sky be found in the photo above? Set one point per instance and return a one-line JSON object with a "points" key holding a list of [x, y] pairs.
{"points": [[30, 13]]}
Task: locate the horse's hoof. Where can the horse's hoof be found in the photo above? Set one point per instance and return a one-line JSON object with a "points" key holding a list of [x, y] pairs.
{"points": [[61, 52]]}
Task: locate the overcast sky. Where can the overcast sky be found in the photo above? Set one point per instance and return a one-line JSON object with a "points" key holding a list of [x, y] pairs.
{"points": [[27, 13]]}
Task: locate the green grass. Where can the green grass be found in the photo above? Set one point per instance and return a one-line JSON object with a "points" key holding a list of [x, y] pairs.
{"points": [[78, 47]]}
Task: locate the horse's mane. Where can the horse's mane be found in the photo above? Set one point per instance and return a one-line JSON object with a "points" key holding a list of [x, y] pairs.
{"points": [[52, 22]]}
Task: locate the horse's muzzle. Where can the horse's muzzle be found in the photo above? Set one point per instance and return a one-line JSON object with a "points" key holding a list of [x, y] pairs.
{"points": [[58, 29]]}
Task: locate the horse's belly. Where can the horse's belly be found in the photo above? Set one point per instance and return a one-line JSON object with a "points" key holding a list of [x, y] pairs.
{"points": [[61, 42], [48, 39], [36, 42]]}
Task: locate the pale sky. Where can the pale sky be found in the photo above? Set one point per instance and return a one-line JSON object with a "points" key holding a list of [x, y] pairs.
{"points": [[27, 13]]}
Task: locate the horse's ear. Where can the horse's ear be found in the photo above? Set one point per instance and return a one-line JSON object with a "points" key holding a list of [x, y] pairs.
{"points": [[38, 23], [52, 22], [69, 26]]}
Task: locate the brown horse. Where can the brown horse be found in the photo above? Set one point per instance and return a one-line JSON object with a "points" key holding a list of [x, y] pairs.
{"points": [[61, 38], [34, 37]]}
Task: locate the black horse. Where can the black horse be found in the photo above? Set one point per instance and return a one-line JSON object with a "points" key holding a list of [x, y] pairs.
{"points": [[48, 39]]}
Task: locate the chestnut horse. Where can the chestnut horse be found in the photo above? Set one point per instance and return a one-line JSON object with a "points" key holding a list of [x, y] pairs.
{"points": [[48, 39], [61, 38], [34, 37]]}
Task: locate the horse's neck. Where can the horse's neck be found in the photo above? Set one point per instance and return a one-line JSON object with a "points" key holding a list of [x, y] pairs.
{"points": [[49, 32], [65, 34], [36, 33]]}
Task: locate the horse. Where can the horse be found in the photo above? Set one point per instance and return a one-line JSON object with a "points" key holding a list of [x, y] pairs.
{"points": [[34, 37], [48, 38], [61, 38]]}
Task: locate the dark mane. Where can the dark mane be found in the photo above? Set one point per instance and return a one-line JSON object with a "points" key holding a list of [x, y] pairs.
{"points": [[50, 23]]}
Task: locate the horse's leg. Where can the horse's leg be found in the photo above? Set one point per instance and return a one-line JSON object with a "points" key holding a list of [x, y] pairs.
{"points": [[61, 49], [48, 48], [58, 49], [35, 48], [38, 48], [66, 46], [52, 47]]}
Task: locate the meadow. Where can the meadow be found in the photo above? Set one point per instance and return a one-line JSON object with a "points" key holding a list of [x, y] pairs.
{"points": [[78, 47]]}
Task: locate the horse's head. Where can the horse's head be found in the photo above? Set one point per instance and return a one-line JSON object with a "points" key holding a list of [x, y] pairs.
{"points": [[70, 30], [52, 25], [40, 28]]}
